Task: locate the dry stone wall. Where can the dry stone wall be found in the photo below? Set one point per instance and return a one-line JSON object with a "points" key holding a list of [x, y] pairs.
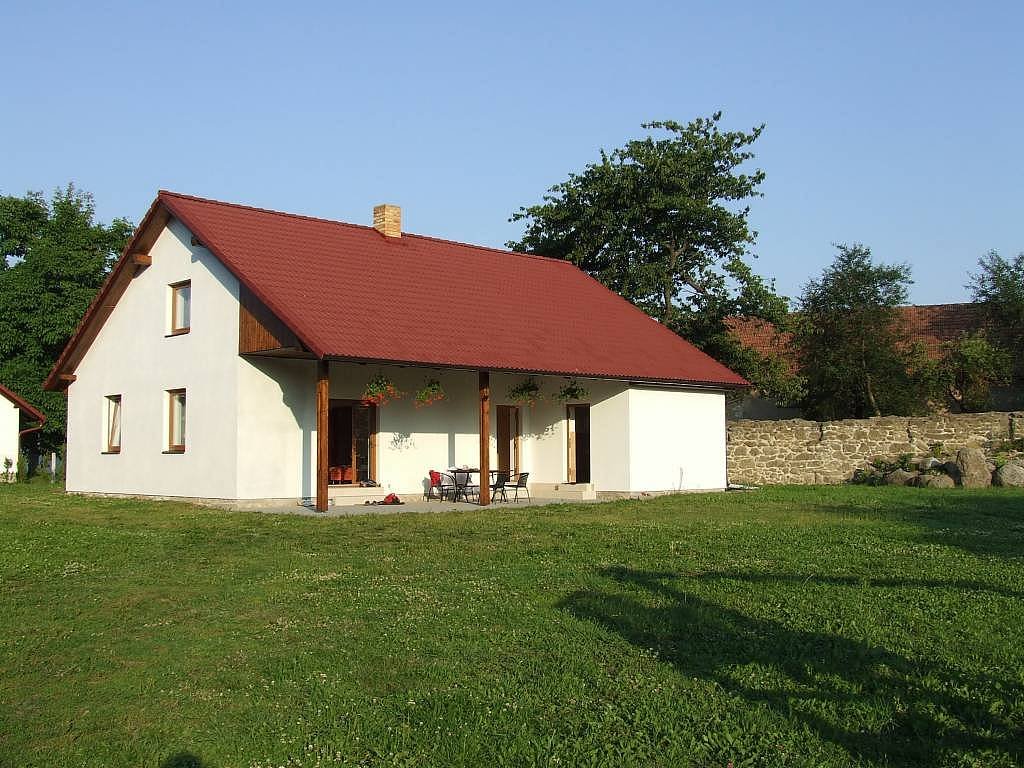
{"points": [[796, 451]]}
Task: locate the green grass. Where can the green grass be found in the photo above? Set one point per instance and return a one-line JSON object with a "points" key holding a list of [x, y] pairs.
{"points": [[795, 627]]}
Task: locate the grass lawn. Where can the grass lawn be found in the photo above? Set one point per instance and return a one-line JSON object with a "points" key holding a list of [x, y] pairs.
{"points": [[796, 627]]}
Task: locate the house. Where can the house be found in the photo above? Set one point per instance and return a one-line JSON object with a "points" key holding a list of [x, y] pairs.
{"points": [[228, 354], [933, 325], [14, 411]]}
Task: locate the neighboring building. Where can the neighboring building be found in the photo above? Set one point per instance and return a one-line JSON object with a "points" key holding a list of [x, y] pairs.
{"points": [[227, 353], [14, 411], [934, 325]]}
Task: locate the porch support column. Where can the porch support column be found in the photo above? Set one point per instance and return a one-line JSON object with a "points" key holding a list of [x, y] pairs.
{"points": [[485, 438], [323, 399]]}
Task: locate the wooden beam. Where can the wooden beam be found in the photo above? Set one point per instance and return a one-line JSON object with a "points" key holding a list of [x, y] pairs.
{"points": [[323, 400], [70, 378], [141, 259], [485, 438]]}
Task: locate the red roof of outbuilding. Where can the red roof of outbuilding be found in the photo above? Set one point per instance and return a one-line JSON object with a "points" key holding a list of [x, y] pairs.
{"points": [[26, 407], [349, 292]]}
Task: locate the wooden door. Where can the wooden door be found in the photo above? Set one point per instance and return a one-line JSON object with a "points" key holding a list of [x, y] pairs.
{"points": [[507, 430], [579, 443]]}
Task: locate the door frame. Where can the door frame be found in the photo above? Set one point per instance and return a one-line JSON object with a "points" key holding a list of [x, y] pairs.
{"points": [[511, 416], [339, 402], [570, 432]]}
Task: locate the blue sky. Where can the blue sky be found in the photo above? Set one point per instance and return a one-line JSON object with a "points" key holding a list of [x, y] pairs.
{"points": [[894, 124]]}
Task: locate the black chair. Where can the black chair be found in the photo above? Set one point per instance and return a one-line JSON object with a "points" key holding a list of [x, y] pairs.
{"points": [[501, 479], [463, 488], [447, 487], [521, 484]]}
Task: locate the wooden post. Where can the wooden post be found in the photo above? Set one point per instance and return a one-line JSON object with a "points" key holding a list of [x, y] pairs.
{"points": [[323, 399], [485, 438]]}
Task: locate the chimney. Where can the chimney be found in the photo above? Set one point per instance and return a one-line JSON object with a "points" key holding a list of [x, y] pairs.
{"points": [[387, 219]]}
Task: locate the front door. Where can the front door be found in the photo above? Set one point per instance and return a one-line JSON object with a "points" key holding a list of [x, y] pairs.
{"points": [[507, 430], [351, 441], [579, 443]]}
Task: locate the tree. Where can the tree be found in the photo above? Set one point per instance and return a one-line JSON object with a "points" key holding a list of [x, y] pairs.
{"points": [[999, 286], [662, 222], [968, 370], [857, 358], [54, 258]]}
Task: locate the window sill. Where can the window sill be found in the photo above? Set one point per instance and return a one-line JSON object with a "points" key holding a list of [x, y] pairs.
{"points": [[174, 450], [110, 453], [178, 332]]}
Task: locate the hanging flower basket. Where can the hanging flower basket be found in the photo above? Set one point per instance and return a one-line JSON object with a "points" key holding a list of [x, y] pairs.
{"points": [[526, 392], [572, 390], [380, 390], [430, 393]]}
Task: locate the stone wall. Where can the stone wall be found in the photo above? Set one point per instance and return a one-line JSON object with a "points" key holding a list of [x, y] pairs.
{"points": [[808, 452]]}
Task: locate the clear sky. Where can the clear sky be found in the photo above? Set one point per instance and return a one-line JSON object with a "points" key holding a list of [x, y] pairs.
{"points": [[894, 124]]}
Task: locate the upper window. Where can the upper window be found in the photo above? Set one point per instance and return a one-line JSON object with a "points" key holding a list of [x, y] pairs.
{"points": [[113, 423], [181, 307], [176, 421]]}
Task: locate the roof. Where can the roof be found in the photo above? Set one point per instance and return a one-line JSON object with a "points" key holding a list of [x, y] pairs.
{"points": [[348, 292], [27, 408], [931, 324]]}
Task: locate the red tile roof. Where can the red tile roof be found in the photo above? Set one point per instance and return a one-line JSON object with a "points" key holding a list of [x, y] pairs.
{"points": [[932, 324], [349, 292], [27, 408]]}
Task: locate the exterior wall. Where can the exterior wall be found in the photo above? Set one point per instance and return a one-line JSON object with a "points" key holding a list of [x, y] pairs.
{"points": [[132, 356], [809, 452], [676, 440], [9, 423]]}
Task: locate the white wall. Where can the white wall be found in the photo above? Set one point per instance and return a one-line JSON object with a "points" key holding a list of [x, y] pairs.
{"points": [[676, 439], [9, 424], [133, 356]]}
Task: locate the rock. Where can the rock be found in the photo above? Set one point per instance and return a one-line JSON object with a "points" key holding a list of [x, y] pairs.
{"points": [[1010, 475], [934, 481], [899, 477], [930, 463], [951, 469], [974, 472]]}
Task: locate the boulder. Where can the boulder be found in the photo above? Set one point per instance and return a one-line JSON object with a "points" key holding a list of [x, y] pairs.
{"points": [[1010, 475], [934, 481], [930, 463], [951, 469], [899, 477], [973, 466]]}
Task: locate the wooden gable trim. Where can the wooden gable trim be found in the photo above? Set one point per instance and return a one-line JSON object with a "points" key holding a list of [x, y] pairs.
{"points": [[134, 258], [259, 329]]}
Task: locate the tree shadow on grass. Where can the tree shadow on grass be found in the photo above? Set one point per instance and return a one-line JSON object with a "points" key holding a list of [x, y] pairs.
{"points": [[875, 704], [183, 760], [884, 582]]}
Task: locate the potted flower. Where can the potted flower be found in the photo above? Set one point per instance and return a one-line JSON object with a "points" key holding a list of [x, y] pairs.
{"points": [[430, 393], [380, 390], [526, 392], [572, 390]]}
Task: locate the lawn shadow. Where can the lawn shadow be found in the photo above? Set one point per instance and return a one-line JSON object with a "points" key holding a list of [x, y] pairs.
{"points": [[875, 704], [183, 760], [960, 585]]}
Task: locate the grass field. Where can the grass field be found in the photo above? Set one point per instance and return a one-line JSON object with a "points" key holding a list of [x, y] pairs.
{"points": [[796, 627]]}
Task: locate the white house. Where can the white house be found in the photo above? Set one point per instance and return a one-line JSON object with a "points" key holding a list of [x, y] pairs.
{"points": [[228, 355], [13, 411]]}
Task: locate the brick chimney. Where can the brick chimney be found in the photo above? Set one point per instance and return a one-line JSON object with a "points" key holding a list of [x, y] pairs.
{"points": [[387, 219]]}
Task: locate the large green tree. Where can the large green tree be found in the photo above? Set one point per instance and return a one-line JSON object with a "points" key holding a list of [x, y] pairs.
{"points": [[53, 258], [999, 286], [857, 357], [663, 221]]}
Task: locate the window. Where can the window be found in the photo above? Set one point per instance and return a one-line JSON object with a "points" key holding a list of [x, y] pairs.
{"points": [[113, 424], [181, 307], [176, 421]]}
